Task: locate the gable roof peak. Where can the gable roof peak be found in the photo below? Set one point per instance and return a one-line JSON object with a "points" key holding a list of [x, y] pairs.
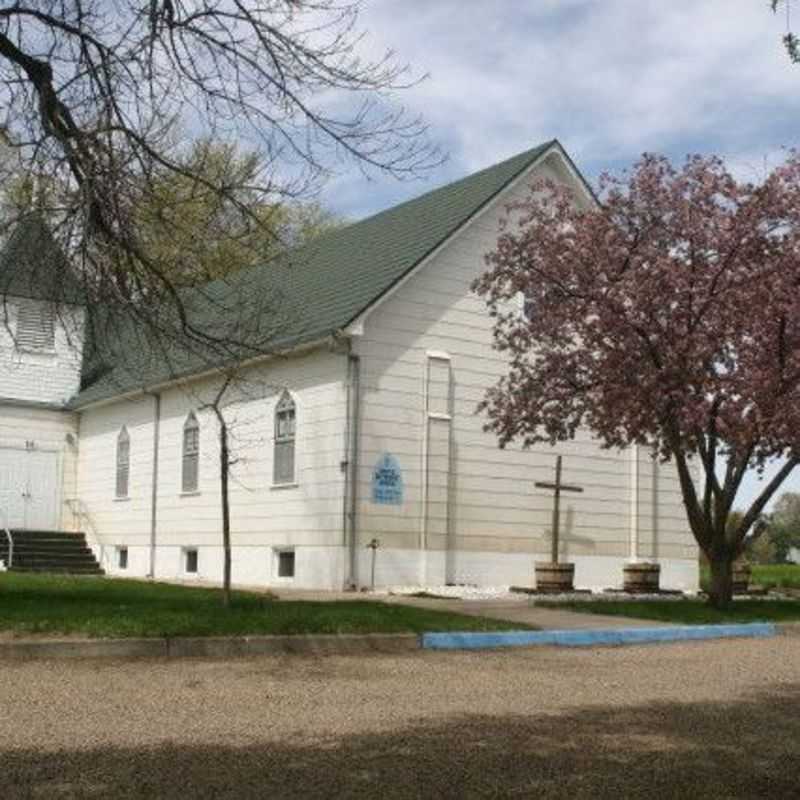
{"points": [[327, 284], [33, 265]]}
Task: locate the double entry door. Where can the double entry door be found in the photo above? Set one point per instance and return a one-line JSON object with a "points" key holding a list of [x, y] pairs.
{"points": [[28, 488]]}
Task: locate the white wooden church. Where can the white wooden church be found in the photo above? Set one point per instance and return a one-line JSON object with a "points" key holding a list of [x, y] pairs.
{"points": [[368, 431]]}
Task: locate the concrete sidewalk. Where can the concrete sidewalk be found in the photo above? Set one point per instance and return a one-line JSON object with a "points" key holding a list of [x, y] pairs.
{"points": [[521, 609], [524, 612]]}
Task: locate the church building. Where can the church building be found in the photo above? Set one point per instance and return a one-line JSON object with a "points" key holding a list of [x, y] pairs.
{"points": [[365, 431]]}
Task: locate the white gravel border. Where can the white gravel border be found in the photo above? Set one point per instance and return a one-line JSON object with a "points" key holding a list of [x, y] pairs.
{"points": [[484, 593], [504, 593], [454, 592]]}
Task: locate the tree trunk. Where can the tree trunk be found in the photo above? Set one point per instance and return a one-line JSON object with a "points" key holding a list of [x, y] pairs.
{"points": [[224, 463], [720, 593]]}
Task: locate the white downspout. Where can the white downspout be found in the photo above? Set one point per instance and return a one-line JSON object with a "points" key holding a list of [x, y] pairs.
{"points": [[352, 467], [154, 486]]}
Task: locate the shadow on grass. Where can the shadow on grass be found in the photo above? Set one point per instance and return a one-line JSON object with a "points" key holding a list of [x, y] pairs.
{"points": [[749, 749]]}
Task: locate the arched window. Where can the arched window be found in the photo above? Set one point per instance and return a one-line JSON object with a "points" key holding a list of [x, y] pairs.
{"points": [[283, 463], [527, 306], [191, 454], [123, 462]]}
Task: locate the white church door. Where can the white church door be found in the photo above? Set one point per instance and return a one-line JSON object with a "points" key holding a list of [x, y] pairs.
{"points": [[29, 488]]}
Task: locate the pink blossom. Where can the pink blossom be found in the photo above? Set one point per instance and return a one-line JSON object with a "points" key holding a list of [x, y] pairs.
{"points": [[669, 315]]}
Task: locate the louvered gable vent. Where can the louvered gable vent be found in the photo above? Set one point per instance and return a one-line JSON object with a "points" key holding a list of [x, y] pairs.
{"points": [[36, 329]]}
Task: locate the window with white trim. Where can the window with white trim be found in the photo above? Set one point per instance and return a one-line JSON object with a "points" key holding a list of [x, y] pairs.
{"points": [[191, 454], [527, 306], [283, 469], [285, 563], [122, 557], [123, 462], [36, 326], [191, 560]]}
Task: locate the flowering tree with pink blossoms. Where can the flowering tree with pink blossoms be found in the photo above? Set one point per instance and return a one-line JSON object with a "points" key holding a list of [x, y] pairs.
{"points": [[668, 316]]}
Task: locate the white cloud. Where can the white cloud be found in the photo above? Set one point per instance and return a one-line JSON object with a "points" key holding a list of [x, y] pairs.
{"points": [[610, 78]]}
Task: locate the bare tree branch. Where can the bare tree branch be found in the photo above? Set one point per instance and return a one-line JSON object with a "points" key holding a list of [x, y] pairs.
{"points": [[92, 92]]}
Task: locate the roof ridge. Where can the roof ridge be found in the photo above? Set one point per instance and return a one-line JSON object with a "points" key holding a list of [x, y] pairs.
{"points": [[328, 282], [531, 154], [526, 157]]}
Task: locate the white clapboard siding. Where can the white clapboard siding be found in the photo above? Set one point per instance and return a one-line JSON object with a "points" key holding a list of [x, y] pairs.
{"points": [[306, 514], [426, 359], [31, 371], [490, 502]]}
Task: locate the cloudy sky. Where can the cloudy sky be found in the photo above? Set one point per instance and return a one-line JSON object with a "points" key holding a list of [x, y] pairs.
{"points": [[609, 78]]}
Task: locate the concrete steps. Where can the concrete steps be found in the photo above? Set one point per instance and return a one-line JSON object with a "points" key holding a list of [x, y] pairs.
{"points": [[58, 552]]}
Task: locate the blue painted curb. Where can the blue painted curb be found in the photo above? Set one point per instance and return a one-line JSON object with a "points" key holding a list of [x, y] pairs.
{"points": [[592, 638]]}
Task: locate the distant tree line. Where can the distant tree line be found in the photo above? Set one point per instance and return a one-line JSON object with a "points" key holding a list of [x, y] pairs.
{"points": [[781, 532]]}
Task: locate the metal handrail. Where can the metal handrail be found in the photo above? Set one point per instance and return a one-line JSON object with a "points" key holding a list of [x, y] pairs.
{"points": [[10, 538], [81, 515]]}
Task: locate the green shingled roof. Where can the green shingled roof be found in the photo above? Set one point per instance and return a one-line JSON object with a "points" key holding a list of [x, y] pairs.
{"points": [[33, 266], [326, 285]]}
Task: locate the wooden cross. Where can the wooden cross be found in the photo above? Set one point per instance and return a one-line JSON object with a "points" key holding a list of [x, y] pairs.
{"points": [[557, 488]]}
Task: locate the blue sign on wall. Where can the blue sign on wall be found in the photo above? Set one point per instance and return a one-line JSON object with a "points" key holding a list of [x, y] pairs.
{"points": [[387, 481]]}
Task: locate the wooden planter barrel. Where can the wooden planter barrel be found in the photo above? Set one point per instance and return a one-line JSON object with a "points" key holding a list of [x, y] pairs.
{"points": [[552, 577], [641, 578], [741, 577]]}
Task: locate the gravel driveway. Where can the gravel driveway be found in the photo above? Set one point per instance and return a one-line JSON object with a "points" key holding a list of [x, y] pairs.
{"points": [[697, 720]]}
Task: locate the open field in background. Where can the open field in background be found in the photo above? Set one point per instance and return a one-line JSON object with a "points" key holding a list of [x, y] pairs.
{"points": [[104, 607]]}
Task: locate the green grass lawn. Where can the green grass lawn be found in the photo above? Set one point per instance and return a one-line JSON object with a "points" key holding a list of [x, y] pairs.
{"points": [[691, 612], [771, 576], [777, 576], [103, 607]]}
